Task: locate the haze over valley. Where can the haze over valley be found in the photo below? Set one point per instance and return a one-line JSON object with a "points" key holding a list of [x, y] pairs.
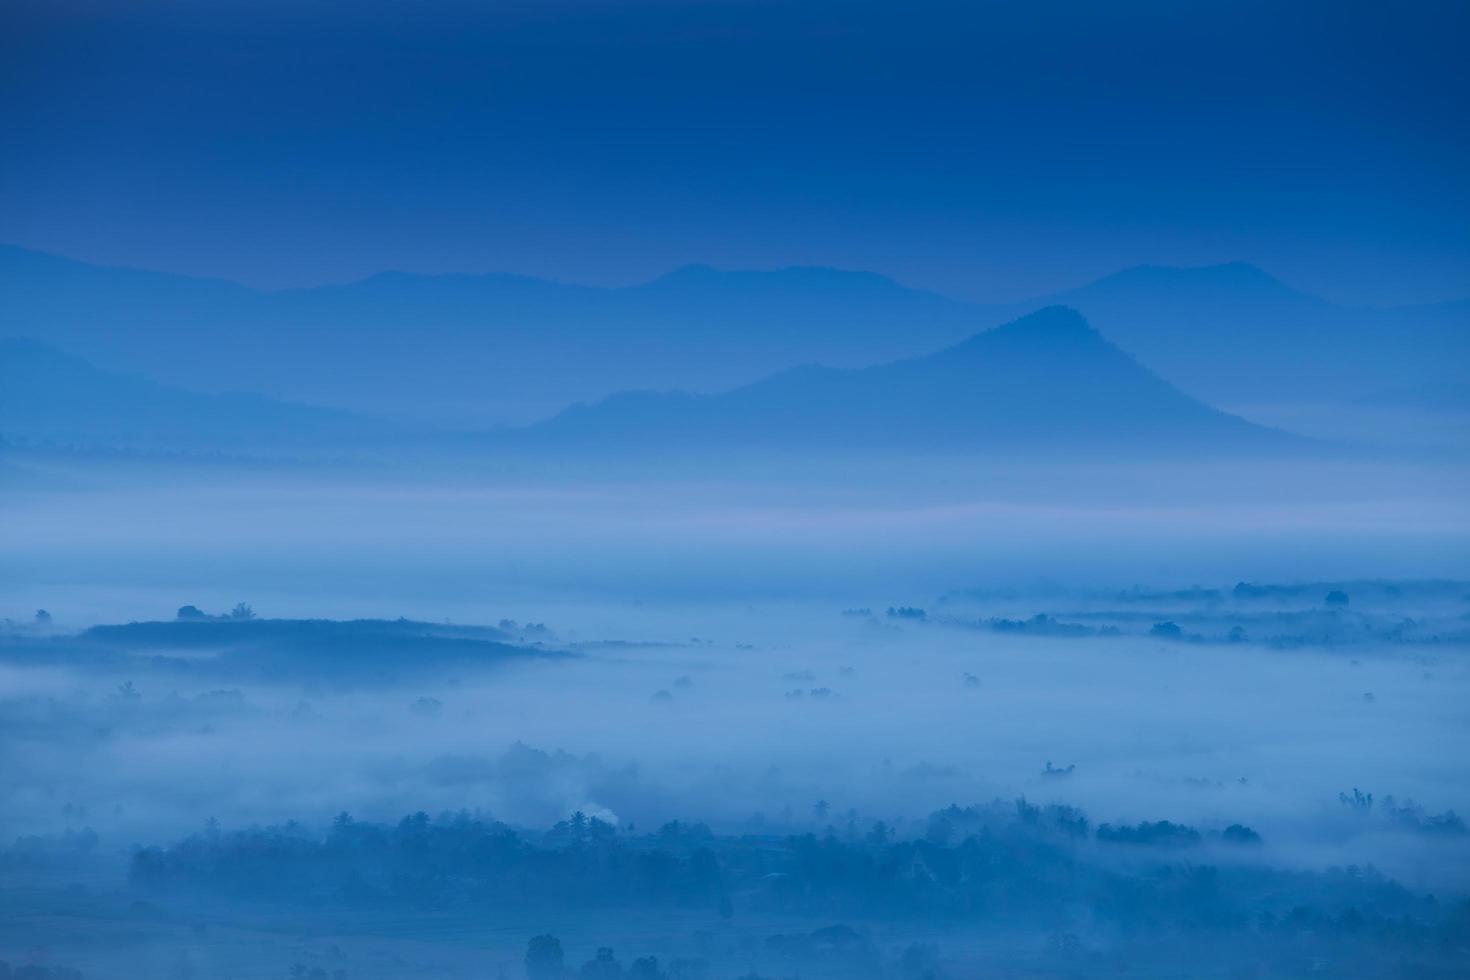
{"points": [[708, 491]]}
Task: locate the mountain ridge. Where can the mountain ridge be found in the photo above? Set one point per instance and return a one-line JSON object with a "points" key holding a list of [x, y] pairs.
{"points": [[1048, 381], [52, 396], [475, 350], [1239, 269]]}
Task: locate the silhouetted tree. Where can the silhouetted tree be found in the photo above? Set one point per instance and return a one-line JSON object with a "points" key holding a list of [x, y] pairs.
{"points": [[544, 958], [646, 968], [603, 966], [1240, 834]]}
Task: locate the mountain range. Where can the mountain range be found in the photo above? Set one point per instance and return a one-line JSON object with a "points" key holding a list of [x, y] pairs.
{"points": [[469, 350], [472, 351], [1047, 382], [50, 396], [1234, 335]]}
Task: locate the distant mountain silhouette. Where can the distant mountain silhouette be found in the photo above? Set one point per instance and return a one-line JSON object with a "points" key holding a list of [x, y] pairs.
{"points": [[1444, 398], [1045, 382], [478, 350], [50, 396], [1234, 335], [470, 349]]}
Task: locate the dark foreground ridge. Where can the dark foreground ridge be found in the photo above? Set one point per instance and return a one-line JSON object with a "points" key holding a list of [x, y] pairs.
{"points": [[1092, 896]]}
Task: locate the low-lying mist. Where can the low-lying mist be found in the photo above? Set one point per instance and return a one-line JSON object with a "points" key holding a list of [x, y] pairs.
{"points": [[247, 680], [474, 538]]}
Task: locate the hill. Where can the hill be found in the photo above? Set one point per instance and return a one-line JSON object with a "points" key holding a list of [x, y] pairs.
{"points": [[1233, 335], [476, 350], [1045, 382], [50, 396], [462, 350]]}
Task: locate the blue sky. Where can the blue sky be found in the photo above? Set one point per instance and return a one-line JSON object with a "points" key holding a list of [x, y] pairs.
{"points": [[988, 151]]}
